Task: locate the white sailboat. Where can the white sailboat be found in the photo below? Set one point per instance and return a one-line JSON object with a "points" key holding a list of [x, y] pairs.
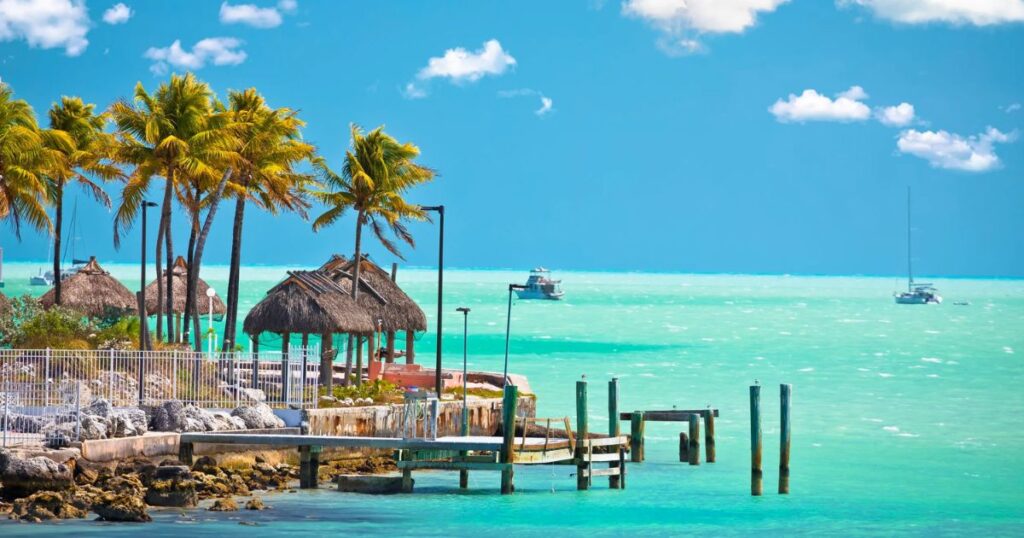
{"points": [[917, 292]]}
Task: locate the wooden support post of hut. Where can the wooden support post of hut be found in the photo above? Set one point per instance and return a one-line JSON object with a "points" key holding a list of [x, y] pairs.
{"points": [[614, 481], [709, 435], [582, 454], [255, 361], [327, 363], [636, 437], [348, 359], [785, 397], [359, 360], [309, 466], [305, 366], [693, 451], [755, 440], [410, 347], [285, 377], [509, 403]]}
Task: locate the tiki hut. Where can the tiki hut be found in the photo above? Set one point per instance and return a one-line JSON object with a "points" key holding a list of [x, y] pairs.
{"points": [[179, 280], [93, 292], [387, 304], [308, 302]]}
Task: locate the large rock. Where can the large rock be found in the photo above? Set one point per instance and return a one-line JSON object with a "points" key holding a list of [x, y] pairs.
{"points": [[172, 485], [169, 417], [44, 506], [226, 504], [127, 423], [258, 416], [121, 507], [199, 420], [92, 427], [377, 485], [100, 407], [226, 422], [22, 477]]}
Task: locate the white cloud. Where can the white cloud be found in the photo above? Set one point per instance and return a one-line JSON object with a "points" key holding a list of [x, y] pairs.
{"points": [[896, 116], [46, 23], [680, 20], [252, 15], [117, 14], [215, 50], [976, 12], [1011, 108], [545, 106], [460, 65], [412, 91], [288, 5], [951, 151], [813, 106]]}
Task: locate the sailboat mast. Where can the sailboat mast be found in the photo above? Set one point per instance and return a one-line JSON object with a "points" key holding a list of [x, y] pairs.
{"points": [[910, 271]]}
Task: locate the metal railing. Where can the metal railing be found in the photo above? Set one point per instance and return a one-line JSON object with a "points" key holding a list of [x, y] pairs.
{"points": [[138, 378], [33, 414]]}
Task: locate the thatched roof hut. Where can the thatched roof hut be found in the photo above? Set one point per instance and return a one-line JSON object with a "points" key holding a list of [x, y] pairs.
{"points": [[179, 279], [379, 295], [307, 302], [93, 292]]}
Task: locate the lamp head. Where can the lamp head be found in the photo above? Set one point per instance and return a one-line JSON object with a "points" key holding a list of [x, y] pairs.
{"points": [[462, 309], [210, 292], [148, 204]]}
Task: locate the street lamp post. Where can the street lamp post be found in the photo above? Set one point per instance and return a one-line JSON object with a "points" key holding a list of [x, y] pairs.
{"points": [[465, 341], [143, 326], [440, 296], [210, 293], [508, 328]]}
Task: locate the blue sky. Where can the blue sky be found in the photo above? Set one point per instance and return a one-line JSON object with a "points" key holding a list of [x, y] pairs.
{"points": [[656, 135]]}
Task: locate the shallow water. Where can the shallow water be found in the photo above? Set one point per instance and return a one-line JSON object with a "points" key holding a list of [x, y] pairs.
{"points": [[906, 419]]}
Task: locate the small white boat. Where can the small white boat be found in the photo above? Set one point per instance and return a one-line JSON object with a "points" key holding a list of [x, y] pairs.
{"points": [[540, 285], [42, 279], [917, 293]]}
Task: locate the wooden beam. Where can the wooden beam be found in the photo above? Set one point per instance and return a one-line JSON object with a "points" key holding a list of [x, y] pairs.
{"points": [[454, 465], [675, 415], [443, 443]]}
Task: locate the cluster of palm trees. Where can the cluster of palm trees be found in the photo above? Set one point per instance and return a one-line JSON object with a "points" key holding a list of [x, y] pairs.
{"points": [[203, 150]]}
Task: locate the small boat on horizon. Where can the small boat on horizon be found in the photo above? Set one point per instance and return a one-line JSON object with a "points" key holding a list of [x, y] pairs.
{"points": [[540, 285], [917, 292]]}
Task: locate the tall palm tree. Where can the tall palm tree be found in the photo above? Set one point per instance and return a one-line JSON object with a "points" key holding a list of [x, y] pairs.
{"points": [[23, 159], [269, 148], [82, 149], [164, 134]]}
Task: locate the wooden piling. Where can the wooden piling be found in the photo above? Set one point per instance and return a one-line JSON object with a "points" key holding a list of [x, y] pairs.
{"points": [[693, 451], [185, 453], [622, 467], [785, 396], [614, 481], [756, 474], [582, 454], [709, 435], [636, 437], [309, 464], [684, 448], [508, 426]]}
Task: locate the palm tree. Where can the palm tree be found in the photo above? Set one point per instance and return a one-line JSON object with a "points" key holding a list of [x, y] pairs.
{"points": [[378, 170], [81, 148], [269, 148], [164, 134], [23, 159]]}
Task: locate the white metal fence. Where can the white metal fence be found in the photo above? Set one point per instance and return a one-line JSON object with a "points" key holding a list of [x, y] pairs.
{"points": [[136, 378], [40, 413]]}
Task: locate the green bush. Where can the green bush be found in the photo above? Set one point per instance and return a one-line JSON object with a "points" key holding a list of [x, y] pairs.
{"points": [[57, 327]]}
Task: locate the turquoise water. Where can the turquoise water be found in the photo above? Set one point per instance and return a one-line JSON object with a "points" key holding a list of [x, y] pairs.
{"points": [[906, 419]]}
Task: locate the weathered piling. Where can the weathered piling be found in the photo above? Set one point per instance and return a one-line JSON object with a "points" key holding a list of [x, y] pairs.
{"points": [[309, 466], [636, 437], [684, 448], [709, 435], [614, 481], [508, 425], [694, 449], [582, 465], [755, 440], [785, 395]]}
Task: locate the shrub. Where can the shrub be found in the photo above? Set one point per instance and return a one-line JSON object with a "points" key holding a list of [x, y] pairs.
{"points": [[55, 328]]}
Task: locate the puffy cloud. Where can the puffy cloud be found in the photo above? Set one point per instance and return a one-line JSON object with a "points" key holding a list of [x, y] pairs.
{"points": [[813, 106], [546, 103], [976, 12], [680, 20], [461, 65], [1011, 108], [943, 149], [288, 5], [252, 15], [215, 50], [117, 14], [46, 23], [896, 116]]}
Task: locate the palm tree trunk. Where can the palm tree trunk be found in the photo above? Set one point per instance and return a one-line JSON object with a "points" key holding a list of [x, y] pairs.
{"points": [[231, 319], [190, 295], [169, 282], [358, 254], [197, 259], [58, 220]]}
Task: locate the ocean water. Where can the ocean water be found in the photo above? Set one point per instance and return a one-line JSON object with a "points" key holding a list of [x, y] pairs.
{"points": [[907, 420]]}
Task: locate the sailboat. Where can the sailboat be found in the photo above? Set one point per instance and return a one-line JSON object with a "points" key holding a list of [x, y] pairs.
{"points": [[46, 278], [917, 292]]}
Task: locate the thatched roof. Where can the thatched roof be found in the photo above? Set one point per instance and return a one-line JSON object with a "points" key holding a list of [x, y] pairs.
{"points": [[93, 292], [379, 295], [307, 302], [180, 281]]}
